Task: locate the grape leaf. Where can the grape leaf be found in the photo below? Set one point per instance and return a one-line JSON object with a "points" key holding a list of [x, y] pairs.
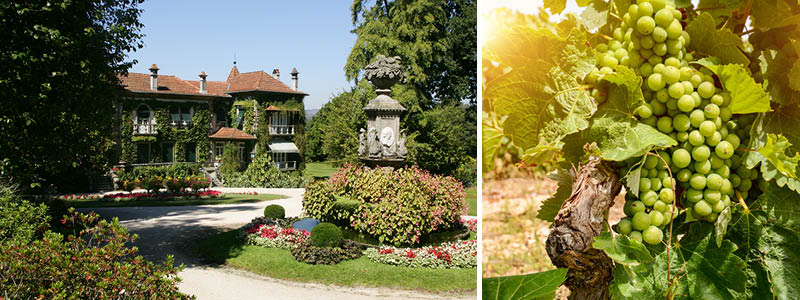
{"points": [[535, 286], [774, 150], [777, 121], [634, 176], [624, 92], [622, 249], [721, 225], [747, 96], [517, 46], [768, 238], [711, 272], [720, 43], [555, 6], [540, 154], [776, 65], [573, 56], [492, 135], [595, 15], [620, 139], [769, 14], [552, 205]]}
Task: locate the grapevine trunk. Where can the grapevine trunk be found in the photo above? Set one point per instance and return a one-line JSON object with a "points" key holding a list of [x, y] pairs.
{"points": [[579, 220]]}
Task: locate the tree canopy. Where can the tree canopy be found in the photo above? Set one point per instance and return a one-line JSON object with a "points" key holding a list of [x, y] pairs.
{"points": [[58, 67]]}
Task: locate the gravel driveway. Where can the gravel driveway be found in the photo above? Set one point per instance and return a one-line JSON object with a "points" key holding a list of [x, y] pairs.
{"points": [[178, 229]]}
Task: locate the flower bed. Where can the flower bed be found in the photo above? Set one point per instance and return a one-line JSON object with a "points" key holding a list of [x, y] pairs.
{"points": [[451, 255], [471, 224], [212, 193], [273, 236]]}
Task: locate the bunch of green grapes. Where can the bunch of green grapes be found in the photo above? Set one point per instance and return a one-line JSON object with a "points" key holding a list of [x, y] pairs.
{"points": [[685, 104]]}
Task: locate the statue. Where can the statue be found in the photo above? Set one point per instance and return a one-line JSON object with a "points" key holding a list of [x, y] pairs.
{"points": [[401, 145], [374, 144], [362, 144]]}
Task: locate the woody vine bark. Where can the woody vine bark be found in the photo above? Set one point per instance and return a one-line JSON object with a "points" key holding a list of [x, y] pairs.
{"points": [[579, 220]]}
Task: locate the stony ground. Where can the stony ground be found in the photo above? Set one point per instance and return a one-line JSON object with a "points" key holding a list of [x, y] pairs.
{"points": [[178, 231]]}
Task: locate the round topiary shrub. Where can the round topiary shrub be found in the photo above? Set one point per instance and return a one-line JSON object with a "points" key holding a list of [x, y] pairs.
{"points": [[274, 211], [326, 235]]}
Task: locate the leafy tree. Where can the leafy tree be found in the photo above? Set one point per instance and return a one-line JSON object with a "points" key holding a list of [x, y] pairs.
{"points": [[230, 162], [436, 39], [58, 66], [442, 143]]}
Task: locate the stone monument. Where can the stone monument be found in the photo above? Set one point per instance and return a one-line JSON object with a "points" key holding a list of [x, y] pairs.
{"points": [[384, 144]]}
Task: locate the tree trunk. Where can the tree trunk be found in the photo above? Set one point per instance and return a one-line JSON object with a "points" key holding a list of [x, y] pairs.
{"points": [[580, 219]]}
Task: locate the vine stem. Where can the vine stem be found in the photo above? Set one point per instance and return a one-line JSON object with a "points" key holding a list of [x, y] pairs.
{"points": [[741, 201], [671, 215]]}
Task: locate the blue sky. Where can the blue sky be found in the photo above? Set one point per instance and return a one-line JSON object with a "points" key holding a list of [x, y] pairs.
{"points": [[186, 37]]}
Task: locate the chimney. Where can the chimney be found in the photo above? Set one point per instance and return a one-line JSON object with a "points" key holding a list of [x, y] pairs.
{"points": [[294, 78], [203, 89], [276, 73], [154, 77]]}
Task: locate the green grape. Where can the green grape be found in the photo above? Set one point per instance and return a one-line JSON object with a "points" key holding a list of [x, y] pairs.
{"points": [[716, 162], [685, 103], [714, 182], [695, 138], [707, 128], [659, 109], [659, 34], [710, 217], [602, 47], [671, 75], [641, 220], [697, 99], [696, 117], [723, 171], [674, 47], [644, 186], [662, 96], [635, 236], [655, 81], [666, 195], [658, 67], [645, 25], [701, 208], [714, 139], [717, 99], [672, 107], [652, 173], [618, 34], [711, 111], [681, 158], [664, 17], [633, 10], [609, 61], [647, 42], [645, 111], [656, 185], [660, 49], [637, 206], [681, 136], [650, 162], [652, 235], [706, 89], [683, 175], [624, 226], [724, 149], [702, 167], [686, 75], [735, 180], [651, 120], [697, 181], [701, 153], [725, 113], [681, 122], [696, 79], [646, 69], [658, 4], [646, 10], [664, 124], [687, 40], [666, 158], [726, 187], [620, 54], [733, 139], [694, 195], [674, 29], [614, 45], [718, 207], [675, 89], [660, 206], [656, 218], [687, 86], [712, 196]]}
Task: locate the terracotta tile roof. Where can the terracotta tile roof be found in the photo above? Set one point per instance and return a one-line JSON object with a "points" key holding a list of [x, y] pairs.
{"points": [[258, 81], [275, 108], [236, 82], [228, 133]]}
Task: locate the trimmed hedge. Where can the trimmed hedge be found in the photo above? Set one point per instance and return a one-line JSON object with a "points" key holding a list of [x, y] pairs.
{"points": [[397, 206], [326, 235], [311, 254], [274, 211], [343, 210]]}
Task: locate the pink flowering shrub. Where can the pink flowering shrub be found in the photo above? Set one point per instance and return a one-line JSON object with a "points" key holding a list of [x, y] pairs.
{"points": [[471, 224], [450, 255], [273, 236], [398, 207]]}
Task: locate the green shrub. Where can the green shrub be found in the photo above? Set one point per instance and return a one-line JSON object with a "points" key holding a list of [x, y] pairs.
{"points": [[467, 172], [274, 211], [311, 254], [176, 170], [326, 235], [342, 210], [151, 184], [97, 264], [262, 173], [230, 164], [21, 221], [398, 206]]}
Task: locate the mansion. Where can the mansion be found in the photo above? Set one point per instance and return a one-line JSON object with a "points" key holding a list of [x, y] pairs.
{"points": [[162, 119]]}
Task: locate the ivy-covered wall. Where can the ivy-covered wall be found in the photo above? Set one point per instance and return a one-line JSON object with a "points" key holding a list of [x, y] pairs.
{"points": [[197, 133]]}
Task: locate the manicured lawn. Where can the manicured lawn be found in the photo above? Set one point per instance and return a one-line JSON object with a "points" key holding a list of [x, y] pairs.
{"points": [[179, 201], [472, 200], [320, 169], [278, 263]]}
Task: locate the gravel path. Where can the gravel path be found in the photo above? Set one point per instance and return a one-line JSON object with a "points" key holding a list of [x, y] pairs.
{"points": [[177, 230]]}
